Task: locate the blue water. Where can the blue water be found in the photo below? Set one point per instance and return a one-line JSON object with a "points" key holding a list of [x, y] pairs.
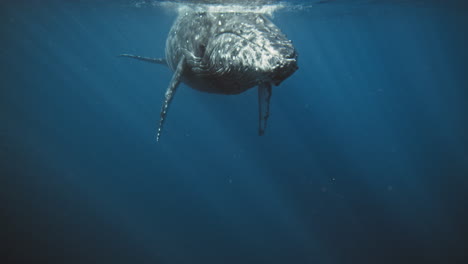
{"points": [[365, 158]]}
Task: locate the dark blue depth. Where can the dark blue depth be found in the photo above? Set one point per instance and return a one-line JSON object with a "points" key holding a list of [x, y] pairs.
{"points": [[365, 158]]}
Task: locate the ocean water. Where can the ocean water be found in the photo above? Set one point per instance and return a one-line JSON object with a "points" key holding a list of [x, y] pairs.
{"points": [[365, 158]]}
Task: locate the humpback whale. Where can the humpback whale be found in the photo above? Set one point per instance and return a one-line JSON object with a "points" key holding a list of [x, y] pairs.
{"points": [[225, 52]]}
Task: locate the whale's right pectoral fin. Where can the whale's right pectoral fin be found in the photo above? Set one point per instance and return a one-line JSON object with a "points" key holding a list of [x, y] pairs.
{"points": [[175, 81], [147, 59], [264, 95]]}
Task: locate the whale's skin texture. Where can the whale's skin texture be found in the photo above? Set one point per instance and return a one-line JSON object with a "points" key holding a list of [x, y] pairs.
{"points": [[228, 53]]}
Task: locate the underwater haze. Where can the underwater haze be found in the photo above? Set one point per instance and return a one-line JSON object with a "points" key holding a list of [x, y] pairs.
{"points": [[364, 160]]}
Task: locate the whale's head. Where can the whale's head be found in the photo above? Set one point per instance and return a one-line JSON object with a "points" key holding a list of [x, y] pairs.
{"points": [[249, 48]]}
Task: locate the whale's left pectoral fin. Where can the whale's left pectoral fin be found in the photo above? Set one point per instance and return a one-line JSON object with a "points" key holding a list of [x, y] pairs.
{"points": [[264, 95], [147, 59], [175, 81]]}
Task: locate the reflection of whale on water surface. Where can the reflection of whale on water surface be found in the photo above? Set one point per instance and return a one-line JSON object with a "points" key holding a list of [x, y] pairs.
{"points": [[226, 52]]}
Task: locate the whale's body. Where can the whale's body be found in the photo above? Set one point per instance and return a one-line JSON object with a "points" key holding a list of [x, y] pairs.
{"points": [[226, 53]]}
